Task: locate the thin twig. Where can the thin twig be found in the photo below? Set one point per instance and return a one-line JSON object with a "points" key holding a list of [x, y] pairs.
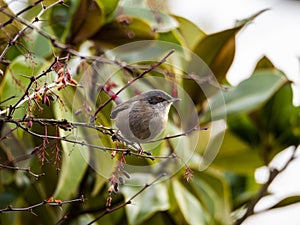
{"points": [[273, 173], [45, 202], [129, 201], [178, 135], [152, 67], [27, 170]]}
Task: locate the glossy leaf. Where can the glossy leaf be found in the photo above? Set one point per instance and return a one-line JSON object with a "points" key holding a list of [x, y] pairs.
{"points": [[290, 200], [109, 6], [191, 33], [189, 205], [160, 21], [87, 20], [281, 118], [75, 158], [123, 30], [217, 51], [246, 96], [236, 155], [264, 63], [150, 201]]}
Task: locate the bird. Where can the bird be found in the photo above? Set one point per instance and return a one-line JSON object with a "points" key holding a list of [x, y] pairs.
{"points": [[143, 117]]}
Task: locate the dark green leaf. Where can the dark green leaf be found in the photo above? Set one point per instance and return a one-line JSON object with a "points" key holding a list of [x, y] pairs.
{"points": [[123, 30], [287, 201], [87, 20]]}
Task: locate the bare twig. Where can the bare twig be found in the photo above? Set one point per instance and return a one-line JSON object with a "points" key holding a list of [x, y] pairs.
{"points": [[178, 135], [129, 201], [27, 170], [50, 202], [152, 67], [273, 173]]}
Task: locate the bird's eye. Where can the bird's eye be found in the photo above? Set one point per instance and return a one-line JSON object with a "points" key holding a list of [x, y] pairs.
{"points": [[155, 100], [160, 99]]}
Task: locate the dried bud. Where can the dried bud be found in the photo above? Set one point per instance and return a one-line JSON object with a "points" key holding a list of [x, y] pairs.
{"points": [[116, 187], [108, 201], [110, 189]]}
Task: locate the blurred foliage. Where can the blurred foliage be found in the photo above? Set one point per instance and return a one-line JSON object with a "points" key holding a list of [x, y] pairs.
{"points": [[261, 120]]}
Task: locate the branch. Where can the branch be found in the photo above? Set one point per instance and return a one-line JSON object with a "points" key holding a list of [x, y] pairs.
{"points": [[178, 135], [50, 202], [152, 67], [27, 170], [129, 201], [273, 173]]}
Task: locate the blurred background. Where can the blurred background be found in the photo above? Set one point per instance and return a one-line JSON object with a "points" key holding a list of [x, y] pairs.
{"points": [[275, 34]]}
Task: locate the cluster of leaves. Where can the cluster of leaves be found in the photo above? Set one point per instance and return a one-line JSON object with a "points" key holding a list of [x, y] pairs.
{"points": [[261, 119]]}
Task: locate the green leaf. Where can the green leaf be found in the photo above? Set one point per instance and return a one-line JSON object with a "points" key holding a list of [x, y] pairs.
{"points": [[264, 63], [188, 204], [146, 204], [236, 155], [281, 119], [166, 22], [191, 33], [17, 79], [87, 20], [75, 158], [213, 193], [124, 29], [217, 51], [246, 96], [109, 5], [245, 128], [287, 201], [172, 36]]}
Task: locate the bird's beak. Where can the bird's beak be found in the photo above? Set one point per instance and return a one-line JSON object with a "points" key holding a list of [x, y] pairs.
{"points": [[175, 99]]}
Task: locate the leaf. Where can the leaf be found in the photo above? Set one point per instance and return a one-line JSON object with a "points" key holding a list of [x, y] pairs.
{"points": [[159, 21], [281, 119], [188, 204], [59, 20], [213, 194], [109, 6], [17, 79], [246, 96], [75, 158], [146, 204], [236, 155], [217, 50], [287, 201], [245, 128], [191, 33], [172, 36], [124, 29], [87, 20], [264, 63]]}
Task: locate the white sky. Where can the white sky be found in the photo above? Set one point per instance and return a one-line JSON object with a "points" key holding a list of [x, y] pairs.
{"points": [[276, 34]]}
